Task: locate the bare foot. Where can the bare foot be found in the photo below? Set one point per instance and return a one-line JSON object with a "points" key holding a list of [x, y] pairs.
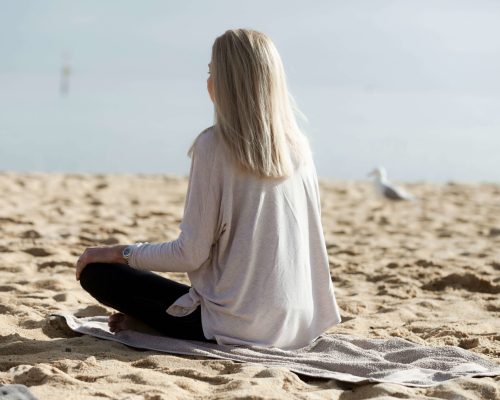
{"points": [[121, 322], [117, 322]]}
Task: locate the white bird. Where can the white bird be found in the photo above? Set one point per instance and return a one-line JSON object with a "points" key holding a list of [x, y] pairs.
{"points": [[387, 189]]}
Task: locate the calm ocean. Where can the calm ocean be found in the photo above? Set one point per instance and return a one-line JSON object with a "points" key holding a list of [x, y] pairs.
{"points": [[412, 87]]}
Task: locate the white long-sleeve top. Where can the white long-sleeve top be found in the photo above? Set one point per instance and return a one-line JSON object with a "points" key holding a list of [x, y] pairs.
{"points": [[254, 251]]}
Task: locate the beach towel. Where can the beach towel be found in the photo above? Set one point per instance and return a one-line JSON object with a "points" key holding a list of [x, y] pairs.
{"points": [[342, 357]]}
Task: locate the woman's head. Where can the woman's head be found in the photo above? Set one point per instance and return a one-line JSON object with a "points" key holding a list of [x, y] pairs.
{"points": [[253, 109]]}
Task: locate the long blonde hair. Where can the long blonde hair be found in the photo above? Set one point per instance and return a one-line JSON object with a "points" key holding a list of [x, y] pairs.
{"points": [[254, 112]]}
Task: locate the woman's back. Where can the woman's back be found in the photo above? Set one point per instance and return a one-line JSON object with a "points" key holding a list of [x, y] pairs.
{"points": [[266, 279]]}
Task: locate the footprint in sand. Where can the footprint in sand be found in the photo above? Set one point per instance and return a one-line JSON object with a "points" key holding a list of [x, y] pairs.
{"points": [[53, 264], [39, 374], [7, 288], [8, 309], [426, 263], [109, 241], [91, 311], [49, 284], [56, 327], [467, 281], [60, 297], [494, 232], [495, 265], [492, 308], [38, 252], [30, 234], [8, 220], [100, 186]]}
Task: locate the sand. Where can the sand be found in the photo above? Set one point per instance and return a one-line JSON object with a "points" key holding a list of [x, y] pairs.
{"points": [[427, 271]]}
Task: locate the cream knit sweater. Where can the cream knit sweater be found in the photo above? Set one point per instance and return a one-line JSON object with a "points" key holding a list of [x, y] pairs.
{"points": [[254, 251]]}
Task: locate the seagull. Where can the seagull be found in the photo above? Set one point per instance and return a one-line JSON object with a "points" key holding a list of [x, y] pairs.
{"points": [[386, 189]]}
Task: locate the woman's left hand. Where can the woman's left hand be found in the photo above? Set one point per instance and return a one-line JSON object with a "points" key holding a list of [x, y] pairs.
{"points": [[105, 255]]}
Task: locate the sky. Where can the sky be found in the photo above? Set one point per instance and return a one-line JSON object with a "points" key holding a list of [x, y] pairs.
{"points": [[410, 85]]}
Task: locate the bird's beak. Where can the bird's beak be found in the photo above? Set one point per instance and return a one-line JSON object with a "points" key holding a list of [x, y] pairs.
{"points": [[371, 173]]}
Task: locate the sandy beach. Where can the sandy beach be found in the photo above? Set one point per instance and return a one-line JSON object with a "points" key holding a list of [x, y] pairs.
{"points": [[427, 271]]}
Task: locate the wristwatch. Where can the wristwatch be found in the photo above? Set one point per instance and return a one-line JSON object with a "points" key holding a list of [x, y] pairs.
{"points": [[127, 251]]}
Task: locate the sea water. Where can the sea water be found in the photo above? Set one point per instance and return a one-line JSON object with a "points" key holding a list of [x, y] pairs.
{"points": [[412, 87]]}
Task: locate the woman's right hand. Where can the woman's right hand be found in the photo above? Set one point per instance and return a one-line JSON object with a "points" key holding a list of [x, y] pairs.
{"points": [[106, 255]]}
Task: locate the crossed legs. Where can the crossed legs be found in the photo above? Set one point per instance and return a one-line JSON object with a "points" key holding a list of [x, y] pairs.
{"points": [[143, 296]]}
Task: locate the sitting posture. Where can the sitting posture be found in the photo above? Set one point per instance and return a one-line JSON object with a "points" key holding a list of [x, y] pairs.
{"points": [[251, 239]]}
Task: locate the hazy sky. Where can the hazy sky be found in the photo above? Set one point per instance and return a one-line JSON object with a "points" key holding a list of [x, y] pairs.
{"points": [[412, 85]]}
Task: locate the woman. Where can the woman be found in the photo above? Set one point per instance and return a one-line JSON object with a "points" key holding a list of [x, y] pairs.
{"points": [[251, 238]]}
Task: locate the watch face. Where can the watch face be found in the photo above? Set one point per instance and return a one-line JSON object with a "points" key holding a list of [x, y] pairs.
{"points": [[126, 252]]}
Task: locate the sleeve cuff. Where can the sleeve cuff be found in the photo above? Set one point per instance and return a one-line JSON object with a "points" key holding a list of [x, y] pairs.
{"points": [[133, 260]]}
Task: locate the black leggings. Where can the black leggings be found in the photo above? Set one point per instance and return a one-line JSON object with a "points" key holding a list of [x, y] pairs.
{"points": [[144, 296]]}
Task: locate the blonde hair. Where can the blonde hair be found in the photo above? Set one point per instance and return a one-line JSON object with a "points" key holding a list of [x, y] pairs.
{"points": [[254, 112]]}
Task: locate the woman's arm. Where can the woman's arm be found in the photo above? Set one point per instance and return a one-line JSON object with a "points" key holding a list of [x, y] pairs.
{"points": [[199, 223], [198, 226]]}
